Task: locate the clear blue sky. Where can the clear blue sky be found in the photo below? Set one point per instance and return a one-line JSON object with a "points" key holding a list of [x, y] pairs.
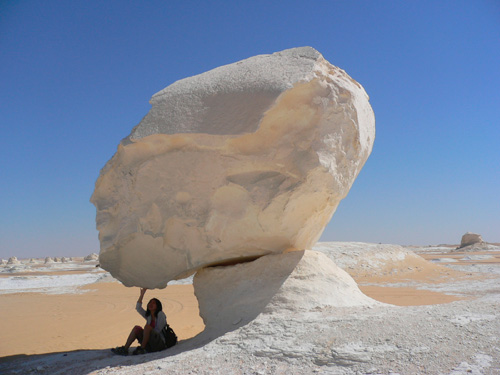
{"points": [[76, 76]]}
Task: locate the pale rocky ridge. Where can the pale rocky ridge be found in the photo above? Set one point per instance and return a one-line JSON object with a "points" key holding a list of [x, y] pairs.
{"points": [[245, 160]]}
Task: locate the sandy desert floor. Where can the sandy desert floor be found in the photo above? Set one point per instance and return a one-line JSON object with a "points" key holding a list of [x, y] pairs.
{"points": [[44, 317], [100, 315]]}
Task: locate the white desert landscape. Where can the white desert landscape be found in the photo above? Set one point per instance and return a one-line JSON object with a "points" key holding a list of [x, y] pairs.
{"points": [[216, 202], [418, 310]]}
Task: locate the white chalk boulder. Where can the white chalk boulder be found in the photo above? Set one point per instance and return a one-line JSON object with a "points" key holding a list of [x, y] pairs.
{"points": [[245, 160], [295, 281], [470, 238], [91, 257]]}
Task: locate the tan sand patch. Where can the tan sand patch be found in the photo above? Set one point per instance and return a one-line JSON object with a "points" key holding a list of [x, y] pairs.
{"points": [[409, 269], [34, 323], [407, 296]]}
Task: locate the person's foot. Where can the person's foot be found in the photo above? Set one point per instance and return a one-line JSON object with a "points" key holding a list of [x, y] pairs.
{"points": [[139, 350], [120, 350]]}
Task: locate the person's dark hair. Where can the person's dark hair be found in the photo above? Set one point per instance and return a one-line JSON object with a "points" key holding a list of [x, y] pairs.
{"points": [[159, 307]]}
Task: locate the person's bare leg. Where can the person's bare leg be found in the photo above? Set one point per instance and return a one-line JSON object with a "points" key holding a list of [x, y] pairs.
{"points": [[147, 333], [132, 337]]}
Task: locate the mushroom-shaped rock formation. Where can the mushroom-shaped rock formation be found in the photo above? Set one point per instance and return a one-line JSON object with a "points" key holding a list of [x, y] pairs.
{"points": [[242, 161]]}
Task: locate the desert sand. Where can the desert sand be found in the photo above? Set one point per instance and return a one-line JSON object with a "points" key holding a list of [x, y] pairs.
{"points": [[101, 315], [63, 322]]}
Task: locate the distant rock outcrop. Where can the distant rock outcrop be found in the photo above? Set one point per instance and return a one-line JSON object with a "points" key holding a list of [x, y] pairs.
{"points": [[91, 257], [245, 160], [49, 260], [469, 239], [13, 260]]}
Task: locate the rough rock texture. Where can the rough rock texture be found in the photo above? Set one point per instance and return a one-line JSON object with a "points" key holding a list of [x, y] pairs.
{"points": [[471, 239], [242, 161], [294, 281]]}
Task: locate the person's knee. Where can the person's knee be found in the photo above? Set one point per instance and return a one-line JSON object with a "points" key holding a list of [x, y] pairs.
{"points": [[137, 330], [148, 328]]}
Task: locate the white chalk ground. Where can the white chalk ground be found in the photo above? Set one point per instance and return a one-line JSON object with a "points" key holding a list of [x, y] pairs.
{"points": [[461, 337]]}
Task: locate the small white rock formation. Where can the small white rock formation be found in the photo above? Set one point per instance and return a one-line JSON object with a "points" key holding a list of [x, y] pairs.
{"points": [[470, 238], [295, 281], [33, 261], [245, 160], [49, 260], [13, 260], [91, 257], [65, 260], [4, 262]]}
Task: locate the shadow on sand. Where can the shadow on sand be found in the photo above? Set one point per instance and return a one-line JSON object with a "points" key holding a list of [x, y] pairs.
{"points": [[81, 361]]}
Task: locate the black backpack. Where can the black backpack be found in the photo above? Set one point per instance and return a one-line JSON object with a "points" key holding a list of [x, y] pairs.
{"points": [[169, 335]]}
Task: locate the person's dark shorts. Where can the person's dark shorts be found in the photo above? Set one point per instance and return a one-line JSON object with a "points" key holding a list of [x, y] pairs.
{"points": [[155, 343]]}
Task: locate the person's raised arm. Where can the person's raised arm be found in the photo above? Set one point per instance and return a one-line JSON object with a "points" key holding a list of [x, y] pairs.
{"points": [[138, 305], [141, 296]]}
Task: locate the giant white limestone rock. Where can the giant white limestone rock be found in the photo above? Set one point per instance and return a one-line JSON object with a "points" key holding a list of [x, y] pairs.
{"points": [[245, 160]]}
